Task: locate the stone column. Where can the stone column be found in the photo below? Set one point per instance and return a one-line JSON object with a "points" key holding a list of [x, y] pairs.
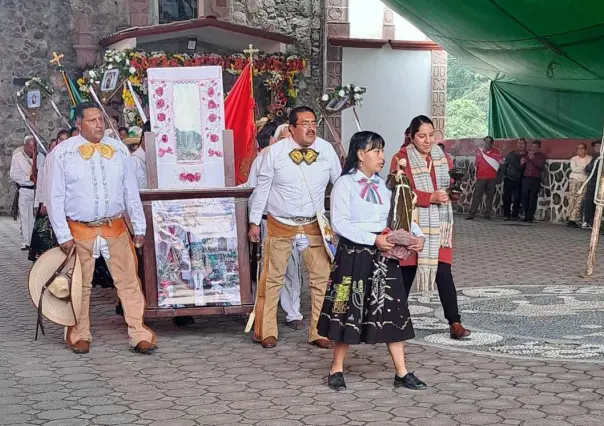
{"points": [[439, 92]]}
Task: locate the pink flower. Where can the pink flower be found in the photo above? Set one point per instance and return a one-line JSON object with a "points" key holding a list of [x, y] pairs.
{"points": [[212, 117], [190, 177], [159, 91], [211, 91], [197, 176], [164, 138], [161, 116], [214, 138], [212, 104], [160, 103], [182, 176]]}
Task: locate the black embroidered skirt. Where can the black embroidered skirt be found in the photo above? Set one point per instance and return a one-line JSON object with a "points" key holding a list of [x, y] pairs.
{"points": [[365, 300]]}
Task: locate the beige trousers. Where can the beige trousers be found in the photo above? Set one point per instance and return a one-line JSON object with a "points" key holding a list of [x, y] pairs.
{"points": [[575, 201], [123, 266], [278, 246]]}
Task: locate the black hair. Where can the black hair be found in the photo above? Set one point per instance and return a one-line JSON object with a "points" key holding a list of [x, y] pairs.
{"points": [[417, 122], [536, 142], [79, 110], [407, 131], [125, 129], [73, 130], [147, 126], [63, 132], [488, 138], [264, 135], [293, 114], [366, 141]]}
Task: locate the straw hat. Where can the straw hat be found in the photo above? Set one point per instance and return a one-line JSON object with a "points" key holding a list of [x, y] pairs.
{"points": [[134, 136], [58, 305]]}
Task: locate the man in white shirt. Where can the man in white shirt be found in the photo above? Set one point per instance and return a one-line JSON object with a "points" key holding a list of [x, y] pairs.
{"points": [[139, 159], [21, 173], [91, 185], [291, 188]]}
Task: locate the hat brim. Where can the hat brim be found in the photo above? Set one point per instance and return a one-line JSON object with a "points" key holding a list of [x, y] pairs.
{"points": [[132, 141], [60, 312]]}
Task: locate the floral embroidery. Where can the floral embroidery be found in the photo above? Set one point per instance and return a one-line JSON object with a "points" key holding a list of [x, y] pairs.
{"points": [[358, 294], [340, 303]]}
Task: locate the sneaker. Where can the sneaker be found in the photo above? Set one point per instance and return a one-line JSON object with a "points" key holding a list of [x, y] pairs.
{"points": [[410, 381], [336, 381], [586, 226]]}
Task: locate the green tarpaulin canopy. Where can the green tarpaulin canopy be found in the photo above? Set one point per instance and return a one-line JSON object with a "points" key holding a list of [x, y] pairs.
{"points": [[555, 48]]}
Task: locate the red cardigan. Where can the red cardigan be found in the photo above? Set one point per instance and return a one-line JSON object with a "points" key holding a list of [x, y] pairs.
{"points": [[445, 254]]}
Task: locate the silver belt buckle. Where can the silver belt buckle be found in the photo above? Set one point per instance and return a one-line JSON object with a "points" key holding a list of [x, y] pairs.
{"points": [[301, 220]]}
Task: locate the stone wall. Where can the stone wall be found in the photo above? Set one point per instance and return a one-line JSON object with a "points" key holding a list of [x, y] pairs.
{"points": [[29, 33], [553, 202], [302, 19]]}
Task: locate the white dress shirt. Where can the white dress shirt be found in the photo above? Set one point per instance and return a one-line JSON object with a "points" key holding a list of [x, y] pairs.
{"points": [[139, 166], [284, 189], [356, 219], [20, 168], [91, 190], [40, 182]]}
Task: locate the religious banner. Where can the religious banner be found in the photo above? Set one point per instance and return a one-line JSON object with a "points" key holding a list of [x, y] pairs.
{"points": [[196, 252], [186, 108]]}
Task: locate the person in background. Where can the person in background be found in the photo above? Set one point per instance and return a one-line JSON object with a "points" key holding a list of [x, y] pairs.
{"points": [[123, 131], [73, 132], [398, 155], [365, 301], [577, 177], [534, 165], [22, 174], [428, 171], [138, 159], [512, 171], [488, 160], [590, 191]]}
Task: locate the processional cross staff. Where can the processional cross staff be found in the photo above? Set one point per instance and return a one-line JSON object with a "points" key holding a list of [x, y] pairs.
{"points": [[250, 51]]}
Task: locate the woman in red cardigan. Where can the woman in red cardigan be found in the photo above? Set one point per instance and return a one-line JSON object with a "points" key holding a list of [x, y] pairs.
{"points": [[427, 168]]}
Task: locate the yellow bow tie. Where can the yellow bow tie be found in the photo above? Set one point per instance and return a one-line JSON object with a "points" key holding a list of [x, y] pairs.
{"points": [[87, 150], [308, 155]]}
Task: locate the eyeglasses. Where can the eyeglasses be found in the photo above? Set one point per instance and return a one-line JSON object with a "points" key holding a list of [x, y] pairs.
{"points": [[307, 124]]}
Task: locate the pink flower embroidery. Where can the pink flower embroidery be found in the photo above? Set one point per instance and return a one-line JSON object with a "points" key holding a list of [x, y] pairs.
{"points": [[182, 176], [164, 138], [212, 104], [211, 91], [159, 91], [163, 152], [214, 138], [160, 103], [213, 117], [161, 116]]}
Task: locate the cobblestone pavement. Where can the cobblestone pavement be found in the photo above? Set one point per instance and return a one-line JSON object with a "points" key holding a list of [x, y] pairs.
{"points": [[211, 374]]}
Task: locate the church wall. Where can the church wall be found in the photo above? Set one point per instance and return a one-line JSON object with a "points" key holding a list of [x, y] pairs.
{"points": [[29, 33], [398, 86]]}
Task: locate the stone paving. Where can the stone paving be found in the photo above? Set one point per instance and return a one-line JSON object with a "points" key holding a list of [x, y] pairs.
{"points": [[211, 374]]}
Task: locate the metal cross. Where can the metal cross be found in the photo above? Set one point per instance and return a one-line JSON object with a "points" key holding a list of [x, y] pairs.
{"points": [[56, 58], [251, 51]]}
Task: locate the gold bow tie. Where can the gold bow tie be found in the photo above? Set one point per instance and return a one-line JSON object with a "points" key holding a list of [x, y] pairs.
{"points": [[308, 155], [87, 150]]}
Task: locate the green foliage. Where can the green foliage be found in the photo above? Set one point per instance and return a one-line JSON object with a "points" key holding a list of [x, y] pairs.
{"points": [[467, 102]]}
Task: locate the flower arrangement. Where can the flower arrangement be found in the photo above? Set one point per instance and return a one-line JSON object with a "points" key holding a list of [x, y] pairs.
{"points": [[36, 81], [343, 97], [279, 72]]}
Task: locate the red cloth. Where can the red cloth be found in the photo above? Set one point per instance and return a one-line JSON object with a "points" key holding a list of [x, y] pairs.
{"points": [[239, 117], [533, 167], [445, 254], [483, 169]]}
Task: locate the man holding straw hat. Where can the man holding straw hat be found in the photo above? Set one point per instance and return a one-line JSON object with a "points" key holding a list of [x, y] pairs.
{"points": [[91, 187]]}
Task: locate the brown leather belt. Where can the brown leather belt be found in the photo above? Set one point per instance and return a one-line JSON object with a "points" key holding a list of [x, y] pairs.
{"points": [[100, 222]]}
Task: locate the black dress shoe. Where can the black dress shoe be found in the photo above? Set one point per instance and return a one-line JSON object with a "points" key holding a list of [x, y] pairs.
{"points": [[469, 217], [409, 382], [336, 381]]}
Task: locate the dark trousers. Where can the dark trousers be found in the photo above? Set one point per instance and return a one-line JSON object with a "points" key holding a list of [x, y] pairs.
{"points": [[590, 207], [530, 195], [483, 186], [445, 285], [512, 193]]}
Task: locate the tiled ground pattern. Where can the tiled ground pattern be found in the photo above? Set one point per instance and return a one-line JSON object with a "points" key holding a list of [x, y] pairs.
{"points": [[211, 373]]}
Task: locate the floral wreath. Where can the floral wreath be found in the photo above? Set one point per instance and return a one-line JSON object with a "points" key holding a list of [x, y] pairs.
{"points": [[280, 73], [350, 92], [36, 81]]}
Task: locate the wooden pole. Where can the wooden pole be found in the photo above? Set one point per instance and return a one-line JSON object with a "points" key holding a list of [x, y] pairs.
{"points": [[595, 231]]}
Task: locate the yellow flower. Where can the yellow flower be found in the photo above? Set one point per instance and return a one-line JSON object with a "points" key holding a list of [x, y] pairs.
{"points": [[81, 81]]}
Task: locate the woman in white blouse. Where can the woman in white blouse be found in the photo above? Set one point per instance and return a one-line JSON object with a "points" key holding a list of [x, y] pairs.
{"points": [[576, 180], [365, 300]]}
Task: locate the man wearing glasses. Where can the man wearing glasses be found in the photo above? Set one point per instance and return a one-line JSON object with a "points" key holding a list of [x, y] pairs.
{"points": [[291, 188]]}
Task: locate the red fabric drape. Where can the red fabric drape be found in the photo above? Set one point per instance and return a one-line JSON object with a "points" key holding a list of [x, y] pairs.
{"points": [[239, 117]]}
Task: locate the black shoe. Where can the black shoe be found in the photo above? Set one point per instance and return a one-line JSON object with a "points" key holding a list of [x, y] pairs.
{"points": [[572, 224], [119, 310], [507, 218], [410, 381], [469, 217], [183, 321], [336, 381]]}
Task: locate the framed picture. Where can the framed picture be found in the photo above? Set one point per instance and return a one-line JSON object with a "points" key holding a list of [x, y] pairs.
{"points": [[110, 80], [33, 99], [337, 105]]}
